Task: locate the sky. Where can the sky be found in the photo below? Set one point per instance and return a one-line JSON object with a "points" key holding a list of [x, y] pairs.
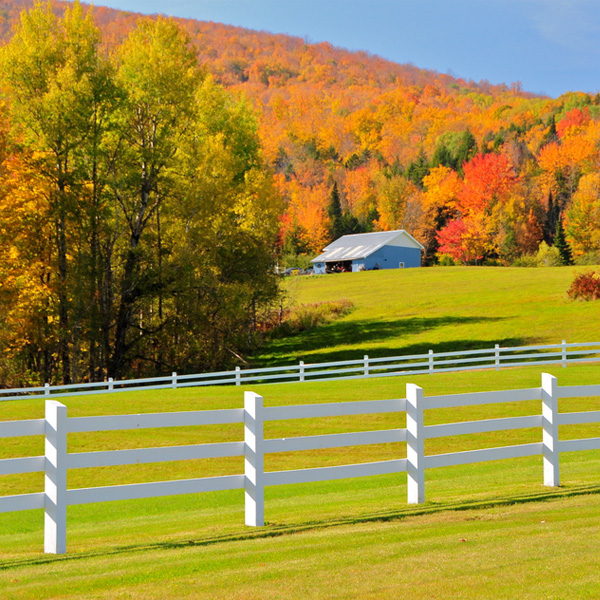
{"points": [[548, 46]]}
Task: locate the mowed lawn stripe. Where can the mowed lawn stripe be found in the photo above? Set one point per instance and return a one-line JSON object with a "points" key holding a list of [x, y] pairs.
{"points": [[534, 551]]}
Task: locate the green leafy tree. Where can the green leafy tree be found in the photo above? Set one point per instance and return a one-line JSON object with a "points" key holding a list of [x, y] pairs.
{"points": [[223, 234], [158, 75], [465, 150]]}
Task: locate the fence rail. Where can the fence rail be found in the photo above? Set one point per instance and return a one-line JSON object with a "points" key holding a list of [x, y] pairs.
{"points": [[56, 462], [432, 362]]}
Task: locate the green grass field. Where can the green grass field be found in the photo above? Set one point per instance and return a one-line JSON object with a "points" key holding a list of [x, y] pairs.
{"points": [[489, 530], [442, 309]]}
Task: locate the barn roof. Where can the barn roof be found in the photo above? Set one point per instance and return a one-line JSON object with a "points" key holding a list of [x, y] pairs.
{"points": [[361, 245]]}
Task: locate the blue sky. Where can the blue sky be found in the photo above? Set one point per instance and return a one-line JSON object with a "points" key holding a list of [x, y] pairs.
{"points": [[550, 46]]}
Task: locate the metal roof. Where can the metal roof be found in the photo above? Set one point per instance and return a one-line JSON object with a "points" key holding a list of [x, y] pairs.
{"points": [[361, 245]]}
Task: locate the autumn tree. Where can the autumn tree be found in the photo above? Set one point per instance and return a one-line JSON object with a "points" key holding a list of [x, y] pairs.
{"points": [[399, 204], [442, 187], [53, 73], [143, 211], [481, 205], [582, 218]]}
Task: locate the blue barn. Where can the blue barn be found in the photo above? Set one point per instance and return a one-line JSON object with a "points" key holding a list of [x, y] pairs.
{"points": [[370, 251]]}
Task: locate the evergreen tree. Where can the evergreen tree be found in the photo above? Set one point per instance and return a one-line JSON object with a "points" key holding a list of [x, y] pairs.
{"points": [[334, 212], [350, 224], [418, 169], [561, 244], [443, 156]]}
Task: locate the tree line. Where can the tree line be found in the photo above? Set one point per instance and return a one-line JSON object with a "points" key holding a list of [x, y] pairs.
{"points": [[138, 222]]}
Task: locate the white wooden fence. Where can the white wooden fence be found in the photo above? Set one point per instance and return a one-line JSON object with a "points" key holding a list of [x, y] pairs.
{"points": [[56, 462], [432, 362]]}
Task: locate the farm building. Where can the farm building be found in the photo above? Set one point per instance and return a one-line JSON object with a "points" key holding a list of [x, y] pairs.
{"points": [[368, 251]]}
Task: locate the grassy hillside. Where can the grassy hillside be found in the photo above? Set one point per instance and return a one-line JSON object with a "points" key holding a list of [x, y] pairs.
{"points": [[439, 308], [486, 530]]}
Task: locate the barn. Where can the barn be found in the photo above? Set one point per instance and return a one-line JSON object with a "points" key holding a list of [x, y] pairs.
{"points": [[370, 251]]}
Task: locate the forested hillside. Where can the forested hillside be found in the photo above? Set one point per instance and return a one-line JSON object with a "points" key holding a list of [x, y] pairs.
{"points": [[349, 142]]}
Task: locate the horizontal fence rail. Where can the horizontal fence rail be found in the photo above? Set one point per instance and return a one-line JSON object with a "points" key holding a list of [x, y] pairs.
{"points": [[432, 362], [57, 461]]}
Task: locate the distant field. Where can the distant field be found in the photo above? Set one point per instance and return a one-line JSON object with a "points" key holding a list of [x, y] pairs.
{"points": [[441, 308]]}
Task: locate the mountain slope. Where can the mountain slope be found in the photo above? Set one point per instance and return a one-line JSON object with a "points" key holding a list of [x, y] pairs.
{"points": [[377, 129]]}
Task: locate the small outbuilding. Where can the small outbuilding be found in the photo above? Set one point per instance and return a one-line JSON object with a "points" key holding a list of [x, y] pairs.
{"points": [[370, 251]]}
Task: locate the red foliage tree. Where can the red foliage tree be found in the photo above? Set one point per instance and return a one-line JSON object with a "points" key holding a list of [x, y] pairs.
{"points": [[488, 179]]}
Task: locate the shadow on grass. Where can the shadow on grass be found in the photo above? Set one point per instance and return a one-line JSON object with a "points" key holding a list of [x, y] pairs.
{"points": [[271, 530], [322, 342]]}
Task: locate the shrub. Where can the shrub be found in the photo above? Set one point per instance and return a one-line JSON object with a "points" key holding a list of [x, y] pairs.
{"points": [[308, 316], [445, 260], [548, 256], [590, 258], [585, 286], [527, 260]]}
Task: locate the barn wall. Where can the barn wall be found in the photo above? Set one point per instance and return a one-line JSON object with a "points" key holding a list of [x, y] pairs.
{"points": [[390, 257]]}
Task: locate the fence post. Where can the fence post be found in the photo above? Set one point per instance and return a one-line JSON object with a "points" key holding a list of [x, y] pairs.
{"points": [[366, 359], [174, 380], [55, 480], [111, 385], [550, 430], [238, 376], [564, 353], [254, 459], [46, 389], [301, 370], [497, 356], [415, 453], [431, 362]]}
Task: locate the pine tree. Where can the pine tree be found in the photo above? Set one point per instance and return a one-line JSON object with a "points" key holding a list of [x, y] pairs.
{"points": [[334, 212], [561, 244], [418, 169]]}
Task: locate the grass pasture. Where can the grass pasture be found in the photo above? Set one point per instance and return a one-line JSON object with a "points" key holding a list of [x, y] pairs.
{"points": [[412, 311], [488, 530], [319, 538]]}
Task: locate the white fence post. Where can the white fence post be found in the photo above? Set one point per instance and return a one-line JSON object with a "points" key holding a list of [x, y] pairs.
{"points": [[550, 430], [46, 389], [301, 370], [415, 453], [564, 353], [238, 376], [431, 362], [254, 459], [497, 356], [366, 359], [111, 385], [55, 481], [174, 380]]}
